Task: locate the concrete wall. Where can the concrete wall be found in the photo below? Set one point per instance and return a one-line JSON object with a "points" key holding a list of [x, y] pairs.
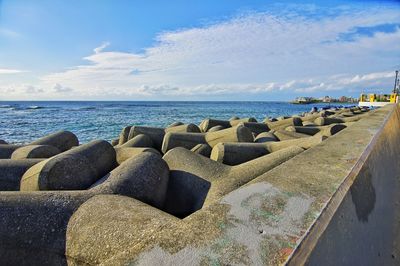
{"points": [[365, 227]]}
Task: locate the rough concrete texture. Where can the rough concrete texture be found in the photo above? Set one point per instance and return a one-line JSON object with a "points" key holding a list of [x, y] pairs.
{"points": [[196, 180], [156, 134], [35, 151], [62, 140], [75, 169], [256, 128], [140, 140], [262, 222], [124, 135], [174, 124], [202, 149], [265, 136], [123, 154], [323, 121], [143, 177], [33, 226], [115, 142], [184, 128], [216, 128], [237, 153], [282, 124], [206, 124], [11, 172], [93, 242], [328, 130], [189, 140], [7, 149], [287, 135]]}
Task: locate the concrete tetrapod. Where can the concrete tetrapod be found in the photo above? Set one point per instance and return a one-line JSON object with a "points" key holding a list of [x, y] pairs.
{"points": [[7, 149], [75, 169], [328, 130], [202, 149], [189, 140], [322, 121], [11, 172], [282, 124], [156, 134], [265, 136], [174, 124], [216, 128], [196, 180], [124, 135], [62, 140], [140, 140], [206, 124], [143, 177], [136, 223], [33, 224], [237, 153], [256, 128], [35, 151], [123, 154], [286, 135]]}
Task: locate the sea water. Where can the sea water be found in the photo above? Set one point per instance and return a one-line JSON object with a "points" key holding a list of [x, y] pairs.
{"points": [[21, 122]]}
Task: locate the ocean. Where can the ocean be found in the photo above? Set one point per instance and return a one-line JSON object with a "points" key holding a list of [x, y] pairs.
{"points": [[22, 122]]}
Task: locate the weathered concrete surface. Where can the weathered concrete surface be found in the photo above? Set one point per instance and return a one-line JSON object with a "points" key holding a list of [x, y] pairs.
{"points": [[123, 154], [33, 226], [120, 215], [202, 149], [7, 149], [35, 151], [238, 133], [265, 136], [143, 177], [11, 172], [156, 134], [75, 169], [140, 141], [262, 222], [196, 180], [361, 225], [62, 140], [237, 153]]}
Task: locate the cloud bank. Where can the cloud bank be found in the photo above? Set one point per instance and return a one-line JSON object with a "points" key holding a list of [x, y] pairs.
{"points": [[296, 51]]}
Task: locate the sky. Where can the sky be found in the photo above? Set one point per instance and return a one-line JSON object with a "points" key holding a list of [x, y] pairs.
{"points": [[196, 50]]}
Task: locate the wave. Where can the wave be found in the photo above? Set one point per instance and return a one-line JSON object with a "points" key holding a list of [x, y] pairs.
{"points": [[34, 107], [5, 106]]}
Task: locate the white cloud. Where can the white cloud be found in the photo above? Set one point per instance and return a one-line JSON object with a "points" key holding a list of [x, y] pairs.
{"points": [[60, 89], [101, 47], [10, 71], [253, 53]]}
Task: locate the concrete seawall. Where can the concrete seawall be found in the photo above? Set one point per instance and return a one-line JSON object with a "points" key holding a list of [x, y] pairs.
{"points": [[277, 218], [361, 223]]}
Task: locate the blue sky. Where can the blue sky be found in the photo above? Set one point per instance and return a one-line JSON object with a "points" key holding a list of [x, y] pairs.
{"points": [[196, 50]]}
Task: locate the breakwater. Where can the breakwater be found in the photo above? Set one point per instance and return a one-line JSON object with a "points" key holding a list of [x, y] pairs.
{"points": [[236, 191]]}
